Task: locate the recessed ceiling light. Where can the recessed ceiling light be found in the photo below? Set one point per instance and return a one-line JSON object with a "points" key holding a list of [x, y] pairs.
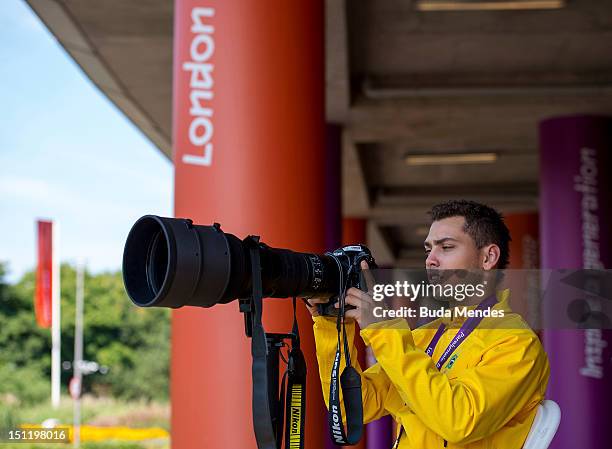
{"points": [[491, 5], [450, 159]]}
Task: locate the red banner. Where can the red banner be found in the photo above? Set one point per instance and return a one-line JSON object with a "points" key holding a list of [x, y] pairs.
{"points": [[44, 274]]}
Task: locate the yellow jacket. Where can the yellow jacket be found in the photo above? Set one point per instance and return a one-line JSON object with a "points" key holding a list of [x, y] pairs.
{"points": [[486, 398]]}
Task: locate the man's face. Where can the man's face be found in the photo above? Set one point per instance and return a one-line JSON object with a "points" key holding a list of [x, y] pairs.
{"points": [[449, 247]]}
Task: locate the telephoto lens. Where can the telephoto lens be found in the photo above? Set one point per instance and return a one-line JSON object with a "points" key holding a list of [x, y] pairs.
{"points": [[171, 262]]}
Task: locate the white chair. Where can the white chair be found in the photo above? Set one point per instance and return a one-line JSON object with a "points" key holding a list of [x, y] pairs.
{"points": [[544, 426]]}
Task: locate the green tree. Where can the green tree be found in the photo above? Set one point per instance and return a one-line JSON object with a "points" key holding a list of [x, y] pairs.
{"points": [[24, 347], [132, 342]]}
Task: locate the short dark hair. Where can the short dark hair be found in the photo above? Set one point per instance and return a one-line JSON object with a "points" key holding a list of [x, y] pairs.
{"points": [[483, 223]]}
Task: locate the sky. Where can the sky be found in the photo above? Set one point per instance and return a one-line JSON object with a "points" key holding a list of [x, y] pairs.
{"points": [[67, 154]]}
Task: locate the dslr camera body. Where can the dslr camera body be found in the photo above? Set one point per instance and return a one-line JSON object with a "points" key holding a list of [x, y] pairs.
{"points": [[349, 258]]}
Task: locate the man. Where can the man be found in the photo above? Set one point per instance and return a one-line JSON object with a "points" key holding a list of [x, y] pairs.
{"points": [[486, 391]]}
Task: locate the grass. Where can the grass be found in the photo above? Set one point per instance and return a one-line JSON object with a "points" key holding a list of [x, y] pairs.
{"points": [[94, 411], [103, 445], [99, 412]]}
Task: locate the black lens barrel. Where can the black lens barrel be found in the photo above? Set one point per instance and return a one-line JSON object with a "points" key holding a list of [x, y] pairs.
{"points": [[170, 262]]}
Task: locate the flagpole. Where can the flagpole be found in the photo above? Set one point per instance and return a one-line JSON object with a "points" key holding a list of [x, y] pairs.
{"points": [[78, 353], [55, 321]]}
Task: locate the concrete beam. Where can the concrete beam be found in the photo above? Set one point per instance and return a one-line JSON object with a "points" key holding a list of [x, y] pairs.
{"points": [[337, 90], [355, 193], [380, 245], [465, 121]]}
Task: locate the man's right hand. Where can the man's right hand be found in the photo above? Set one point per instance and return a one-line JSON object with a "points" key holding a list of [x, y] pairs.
{"points": [[312, 308]]}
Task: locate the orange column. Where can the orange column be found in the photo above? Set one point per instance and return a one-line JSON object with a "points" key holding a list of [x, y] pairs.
{"points": [[524, 255], [249, 152], [353, 231], [525, 245]]}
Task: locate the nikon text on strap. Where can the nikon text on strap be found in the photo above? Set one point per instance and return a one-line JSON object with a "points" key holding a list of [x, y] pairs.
{"points": [[296, 391]]}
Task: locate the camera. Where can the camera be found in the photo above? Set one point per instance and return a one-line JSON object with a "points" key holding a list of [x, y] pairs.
{"points": [[172, 262]]}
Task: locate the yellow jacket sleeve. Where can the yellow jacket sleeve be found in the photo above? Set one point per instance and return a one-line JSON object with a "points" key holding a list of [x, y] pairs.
{"points": [[374, 383], [476, 403]]}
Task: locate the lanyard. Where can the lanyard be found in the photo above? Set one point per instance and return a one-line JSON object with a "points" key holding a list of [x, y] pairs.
{"points": [[465, 330]]}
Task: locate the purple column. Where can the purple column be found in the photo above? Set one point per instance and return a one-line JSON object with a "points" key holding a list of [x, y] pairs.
{"points": [[379, 433], [576, 219], [333, 211]]}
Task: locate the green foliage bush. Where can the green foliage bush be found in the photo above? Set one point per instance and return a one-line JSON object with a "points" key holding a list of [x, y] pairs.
{"points": [[132, 342]]}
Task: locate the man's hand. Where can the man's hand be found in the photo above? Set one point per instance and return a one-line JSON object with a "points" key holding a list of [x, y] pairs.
{"points": [[363, 302], [311, 305]]}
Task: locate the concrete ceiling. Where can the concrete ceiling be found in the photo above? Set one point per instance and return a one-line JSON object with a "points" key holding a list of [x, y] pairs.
{"points": [[401, 81]]}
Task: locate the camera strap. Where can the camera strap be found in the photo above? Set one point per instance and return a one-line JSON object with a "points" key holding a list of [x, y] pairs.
{"points": [[350, 382], [292, 400], [262, 419]]}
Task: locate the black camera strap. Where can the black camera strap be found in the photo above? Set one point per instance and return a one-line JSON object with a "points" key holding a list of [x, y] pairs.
{"points": [[262, 419], [292, 400], [350, 382]]}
